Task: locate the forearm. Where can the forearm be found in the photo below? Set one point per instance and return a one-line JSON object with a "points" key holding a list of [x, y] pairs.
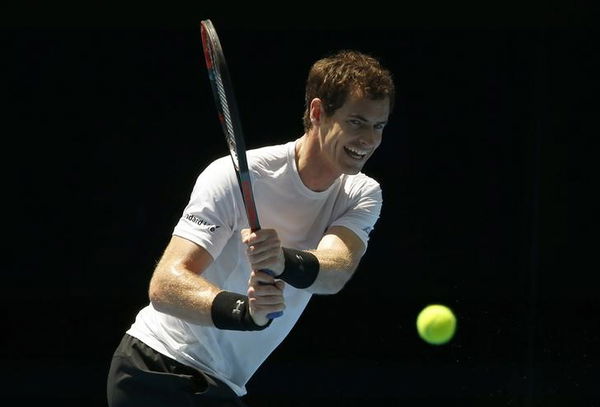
{"points": [[336, 267], [183, 294], [324, 270]]}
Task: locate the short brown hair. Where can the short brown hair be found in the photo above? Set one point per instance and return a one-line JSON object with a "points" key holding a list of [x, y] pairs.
{"points": [[333, 78]]}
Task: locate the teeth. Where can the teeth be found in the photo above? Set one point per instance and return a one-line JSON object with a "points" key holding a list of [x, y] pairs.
{"points": [[357, 151]]}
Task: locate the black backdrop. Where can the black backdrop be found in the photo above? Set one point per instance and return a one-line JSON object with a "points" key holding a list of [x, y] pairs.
{"points": [[484, 168]]}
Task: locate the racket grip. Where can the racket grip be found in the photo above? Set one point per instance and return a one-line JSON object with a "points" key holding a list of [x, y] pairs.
{"points": [[276, 314]]}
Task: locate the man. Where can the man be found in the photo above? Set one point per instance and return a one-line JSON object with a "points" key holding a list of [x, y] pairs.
{"points": [[210, 321]]}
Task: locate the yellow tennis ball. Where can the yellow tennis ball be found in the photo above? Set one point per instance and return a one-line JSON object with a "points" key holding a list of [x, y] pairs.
{"points": [[436, 324]]}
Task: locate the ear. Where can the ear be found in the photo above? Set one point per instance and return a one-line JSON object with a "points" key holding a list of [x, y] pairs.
{"points": [[315, 111]]}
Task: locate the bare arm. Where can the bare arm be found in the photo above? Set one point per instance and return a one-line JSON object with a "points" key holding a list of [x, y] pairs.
{"points": [[177, 287], [339, 253]]}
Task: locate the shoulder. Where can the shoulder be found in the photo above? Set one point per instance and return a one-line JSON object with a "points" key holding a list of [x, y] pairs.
{"points": [[360, 184], [268, 152], [218, 172], [220, 166], [268, 158]]}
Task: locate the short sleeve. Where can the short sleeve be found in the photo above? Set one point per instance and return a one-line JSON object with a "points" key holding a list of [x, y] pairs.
{"points": [[211, 215], [364, 202]]}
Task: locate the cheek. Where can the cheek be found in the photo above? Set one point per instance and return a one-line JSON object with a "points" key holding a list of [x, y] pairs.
{"points": [[335, 136]]}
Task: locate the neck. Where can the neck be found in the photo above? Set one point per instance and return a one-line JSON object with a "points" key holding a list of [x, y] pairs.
{"points": [[315, 172]]}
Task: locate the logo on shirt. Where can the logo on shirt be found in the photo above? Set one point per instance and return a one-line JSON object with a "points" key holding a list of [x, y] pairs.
{"points": [[201, 222]]}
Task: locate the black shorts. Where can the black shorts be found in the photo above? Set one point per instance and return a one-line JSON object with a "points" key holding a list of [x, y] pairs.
{"points": [[139, 376]]}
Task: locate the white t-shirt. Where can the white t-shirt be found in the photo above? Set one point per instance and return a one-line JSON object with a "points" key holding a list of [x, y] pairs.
{"points": [[213, 219]]}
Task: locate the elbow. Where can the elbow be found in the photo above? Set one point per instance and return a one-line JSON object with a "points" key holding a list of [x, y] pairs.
{"points": [[346, 276], [156, 294], [336, 285], [342, 283], [335, 289]]}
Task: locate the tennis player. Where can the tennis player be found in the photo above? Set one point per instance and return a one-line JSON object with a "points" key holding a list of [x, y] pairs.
{"points": [[206, 328]]}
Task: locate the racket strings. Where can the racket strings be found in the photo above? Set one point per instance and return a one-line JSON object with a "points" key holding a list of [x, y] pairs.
{"points": [[226, 114]]}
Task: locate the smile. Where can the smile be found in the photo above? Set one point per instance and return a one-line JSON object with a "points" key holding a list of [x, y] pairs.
{"points": [[356, 153]]}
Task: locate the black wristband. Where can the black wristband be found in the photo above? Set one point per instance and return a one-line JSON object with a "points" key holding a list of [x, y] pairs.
{"points": [[301, 268], [230, 311]]}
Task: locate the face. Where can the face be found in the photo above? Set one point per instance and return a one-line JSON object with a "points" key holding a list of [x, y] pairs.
{"points": [[352, 134]]}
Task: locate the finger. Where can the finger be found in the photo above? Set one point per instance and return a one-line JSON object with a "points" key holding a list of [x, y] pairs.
{"points": [[262, 248], [266, 307], [258, 277], [261, 235], [270, 300], [265, 248], [262, 263], [251, 238], [246, 234], [264, 290]]}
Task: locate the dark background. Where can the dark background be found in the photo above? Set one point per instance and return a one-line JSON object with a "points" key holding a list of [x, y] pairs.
{"points": [[485, 169]]}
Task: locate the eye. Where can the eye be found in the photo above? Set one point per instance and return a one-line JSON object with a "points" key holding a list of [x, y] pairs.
{"points": [[380, 126], [355, 122]]}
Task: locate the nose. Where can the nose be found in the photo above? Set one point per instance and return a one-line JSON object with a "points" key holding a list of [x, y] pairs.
{"points": [[371, 137]]}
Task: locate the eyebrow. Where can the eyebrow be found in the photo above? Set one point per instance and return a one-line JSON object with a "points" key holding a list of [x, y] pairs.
{"points": [[364, 119]]}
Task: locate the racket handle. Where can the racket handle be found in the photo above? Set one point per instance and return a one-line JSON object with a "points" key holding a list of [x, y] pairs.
{"points": [[276, 314]]}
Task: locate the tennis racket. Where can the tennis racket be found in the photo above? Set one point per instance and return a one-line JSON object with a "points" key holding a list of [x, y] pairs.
{"points": [[222, 90]]}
